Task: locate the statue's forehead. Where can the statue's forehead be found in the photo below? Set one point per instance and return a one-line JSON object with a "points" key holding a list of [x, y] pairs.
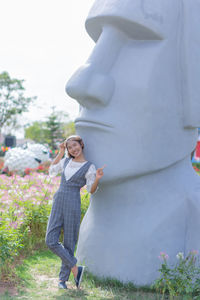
{"points": [[160, 16]]}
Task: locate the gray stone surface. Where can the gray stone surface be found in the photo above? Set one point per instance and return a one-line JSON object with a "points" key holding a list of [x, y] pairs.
{"points": [[139, 108]]}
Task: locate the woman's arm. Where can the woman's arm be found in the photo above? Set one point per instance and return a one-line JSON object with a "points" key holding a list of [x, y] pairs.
{"points": [[99, 174], [60, 154], [57, 164], [94, 186]]}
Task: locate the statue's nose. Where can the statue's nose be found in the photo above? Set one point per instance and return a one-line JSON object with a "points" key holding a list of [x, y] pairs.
{"points": [[92, 83], [88, 86]]}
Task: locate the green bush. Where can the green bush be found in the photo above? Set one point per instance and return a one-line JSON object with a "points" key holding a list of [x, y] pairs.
{"points": [[10, 243], [180, 279], [85, 201]]}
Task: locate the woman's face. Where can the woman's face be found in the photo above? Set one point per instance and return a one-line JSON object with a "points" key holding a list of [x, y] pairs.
{"points": [[74, 148]]}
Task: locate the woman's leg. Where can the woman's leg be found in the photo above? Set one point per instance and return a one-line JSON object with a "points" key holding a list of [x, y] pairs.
{"points": [[65, 272], [71, 229], [55, 224], [75, 271]]}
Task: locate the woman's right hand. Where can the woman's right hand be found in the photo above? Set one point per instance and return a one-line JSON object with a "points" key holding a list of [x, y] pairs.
{"points": [[62, 147]]}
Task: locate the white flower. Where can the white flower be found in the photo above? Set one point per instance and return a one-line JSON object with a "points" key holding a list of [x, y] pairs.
{"points": [[180, 255]]}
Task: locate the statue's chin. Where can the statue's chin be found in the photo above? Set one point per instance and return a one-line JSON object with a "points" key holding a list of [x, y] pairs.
{"points": [[116, 174]]}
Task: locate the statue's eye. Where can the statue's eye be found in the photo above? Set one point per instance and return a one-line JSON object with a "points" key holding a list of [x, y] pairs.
{"points": [[44, 151]]}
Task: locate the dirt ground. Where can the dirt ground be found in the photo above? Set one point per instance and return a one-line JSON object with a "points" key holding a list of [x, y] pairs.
{"points": [[8, 287]]}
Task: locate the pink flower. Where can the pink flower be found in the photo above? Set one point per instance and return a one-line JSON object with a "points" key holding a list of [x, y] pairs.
{"points": [[194, 252], [163, 256], [13, 225]]}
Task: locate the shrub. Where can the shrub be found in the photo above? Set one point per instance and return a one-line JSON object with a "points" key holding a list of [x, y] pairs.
{"points": [[85, 201], [183, 278], [196, 167]]}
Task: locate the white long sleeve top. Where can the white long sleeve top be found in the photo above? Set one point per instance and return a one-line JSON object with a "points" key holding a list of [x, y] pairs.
{"points": [[71, 168]]}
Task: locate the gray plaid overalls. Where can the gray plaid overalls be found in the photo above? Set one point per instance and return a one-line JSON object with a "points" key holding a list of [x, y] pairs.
{"points": [[66, 214]]}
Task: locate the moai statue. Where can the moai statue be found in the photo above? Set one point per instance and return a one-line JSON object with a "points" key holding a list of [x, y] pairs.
{"points": [[139, 96]]}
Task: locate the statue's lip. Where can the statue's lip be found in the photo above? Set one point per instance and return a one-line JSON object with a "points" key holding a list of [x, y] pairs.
{"points": [[90, 122]]}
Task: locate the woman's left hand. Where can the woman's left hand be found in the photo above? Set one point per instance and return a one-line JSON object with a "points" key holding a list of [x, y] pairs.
{"points": [[99, 172]]}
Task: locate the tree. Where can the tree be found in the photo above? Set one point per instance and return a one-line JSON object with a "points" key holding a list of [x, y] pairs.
{"points": [[12, 99], [54, 128], [52, 131], [37, 132], [69, 129]]}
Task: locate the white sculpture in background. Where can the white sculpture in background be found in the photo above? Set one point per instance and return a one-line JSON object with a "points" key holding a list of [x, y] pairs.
{"points": [[139, 95], [18, 159]]}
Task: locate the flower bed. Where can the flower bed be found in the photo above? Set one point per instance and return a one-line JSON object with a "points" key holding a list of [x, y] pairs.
{"points": [[24, 209]]}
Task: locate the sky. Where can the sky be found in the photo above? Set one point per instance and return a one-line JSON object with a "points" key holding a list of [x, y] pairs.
{"points": [[44, 42]]}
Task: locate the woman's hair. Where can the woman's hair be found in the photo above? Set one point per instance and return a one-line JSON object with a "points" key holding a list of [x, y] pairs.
{"points": [[75, 138]]}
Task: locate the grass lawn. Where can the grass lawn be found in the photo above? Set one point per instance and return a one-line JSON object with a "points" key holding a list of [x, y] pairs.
{"points": [[39, 277]]}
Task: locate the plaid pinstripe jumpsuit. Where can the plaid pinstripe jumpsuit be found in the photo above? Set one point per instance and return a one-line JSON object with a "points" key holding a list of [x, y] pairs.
{"points": [[66, 214]]}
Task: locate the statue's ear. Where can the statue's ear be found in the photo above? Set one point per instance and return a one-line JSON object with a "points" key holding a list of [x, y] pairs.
{"points": [[190, 71]]}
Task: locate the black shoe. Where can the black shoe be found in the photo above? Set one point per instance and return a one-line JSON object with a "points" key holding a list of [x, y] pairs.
{"points": [[62, 285], [79, 276]]}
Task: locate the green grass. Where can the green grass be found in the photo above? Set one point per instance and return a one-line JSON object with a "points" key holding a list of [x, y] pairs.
{"points": [[38, 276]]}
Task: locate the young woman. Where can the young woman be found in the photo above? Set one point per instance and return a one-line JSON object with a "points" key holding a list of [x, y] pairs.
{"points": [[66, 209]]}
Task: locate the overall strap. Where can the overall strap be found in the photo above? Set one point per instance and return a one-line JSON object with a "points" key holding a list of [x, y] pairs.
{"points": [[66, 162], [86, 166], [80, 174], [89, 164]]}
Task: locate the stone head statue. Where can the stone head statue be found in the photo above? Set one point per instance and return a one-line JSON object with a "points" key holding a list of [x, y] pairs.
{"points": [[139, 96], [139, 89]]}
